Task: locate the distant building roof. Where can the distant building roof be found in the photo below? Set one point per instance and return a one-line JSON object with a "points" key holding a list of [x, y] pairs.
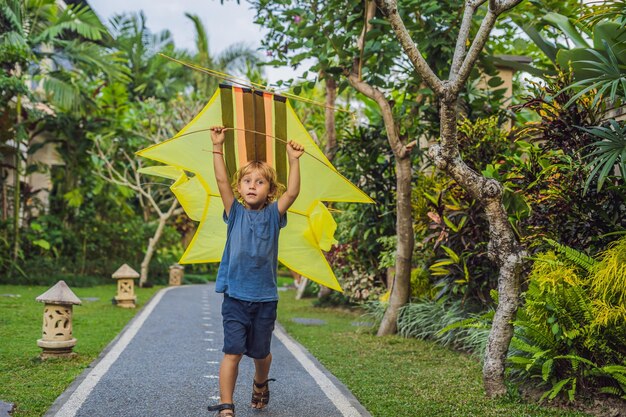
{"points": [[504, 59], [81, 2], [515, 58]]}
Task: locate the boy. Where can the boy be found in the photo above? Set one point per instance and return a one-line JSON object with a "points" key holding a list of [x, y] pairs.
{"points": [[247, 273]]}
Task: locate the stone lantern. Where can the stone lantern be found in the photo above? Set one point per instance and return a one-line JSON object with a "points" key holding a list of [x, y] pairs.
{"points": [[57, 339], [177, 272], [125, 297]]}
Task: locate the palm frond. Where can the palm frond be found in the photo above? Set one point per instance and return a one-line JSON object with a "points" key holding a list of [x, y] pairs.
{"points": [[11, 17], [609, 74], [78, 19], [237, 57], [608, 152], [90, 56], [15, 39], [64, 93], [202, 39]]}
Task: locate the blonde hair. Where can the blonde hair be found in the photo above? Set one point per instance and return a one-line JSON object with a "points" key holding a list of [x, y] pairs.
{"points": [[267, 171]]}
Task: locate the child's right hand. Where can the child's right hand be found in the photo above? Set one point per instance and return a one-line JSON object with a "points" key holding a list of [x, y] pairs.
{"points": [[217, 135]]}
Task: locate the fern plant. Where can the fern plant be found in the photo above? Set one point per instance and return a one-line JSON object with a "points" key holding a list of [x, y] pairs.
{"points": [[570, 333], [579, 258], [609, 275]]}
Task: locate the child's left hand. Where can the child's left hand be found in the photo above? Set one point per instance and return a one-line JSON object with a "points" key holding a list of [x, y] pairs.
{"points": [[294, 150]]}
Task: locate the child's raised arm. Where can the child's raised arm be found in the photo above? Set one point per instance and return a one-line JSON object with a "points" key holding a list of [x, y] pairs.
{"points": [[294, 152], [221, 176]]}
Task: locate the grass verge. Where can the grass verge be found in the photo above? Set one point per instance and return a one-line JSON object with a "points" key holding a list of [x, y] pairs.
{"points": [[393, 376], [390, 376], [31, 384]]}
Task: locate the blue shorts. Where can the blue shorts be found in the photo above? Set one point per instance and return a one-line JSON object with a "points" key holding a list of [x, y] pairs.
{"points": [[248, 327]]}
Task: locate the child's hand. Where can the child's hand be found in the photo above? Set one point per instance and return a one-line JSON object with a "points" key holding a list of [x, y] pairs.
{"points": [[294, 150], [217, 135]]}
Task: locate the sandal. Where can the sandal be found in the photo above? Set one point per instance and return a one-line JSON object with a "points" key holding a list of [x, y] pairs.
{"points": [[223, 410], [261, 399]]}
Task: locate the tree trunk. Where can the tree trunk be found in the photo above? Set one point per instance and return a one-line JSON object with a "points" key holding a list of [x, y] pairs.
{"points": [[5, 205], [329, 121], [404, 231], [503, 247], [502, 328], [301, 286], [16, 186], [329, 152], [404, 221], [152, 243], [323, 292]]}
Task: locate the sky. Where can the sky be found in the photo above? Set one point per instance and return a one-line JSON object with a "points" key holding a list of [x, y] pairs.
{"points": [[225, 24]]}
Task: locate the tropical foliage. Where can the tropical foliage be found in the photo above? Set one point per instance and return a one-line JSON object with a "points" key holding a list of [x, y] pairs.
{"points": [[99, 86], [73, 84], [608, 157], [570, 333], [553, 173]]}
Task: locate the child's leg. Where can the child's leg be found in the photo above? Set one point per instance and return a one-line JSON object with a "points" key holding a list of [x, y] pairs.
{"points": [[261, 374], [258, 347], [229, 369], [262, 369]]}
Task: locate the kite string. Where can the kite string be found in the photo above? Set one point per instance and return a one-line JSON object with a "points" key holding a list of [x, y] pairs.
{"points": [[328, 165], [252, 85], [251, 131]]}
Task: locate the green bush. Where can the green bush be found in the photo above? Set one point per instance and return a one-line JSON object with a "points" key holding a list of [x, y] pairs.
{"points": [[87, 252], [571, 332], [553, 171], [450, 227], [364, 158], [198, 279], [420, 284], [443, 321]]}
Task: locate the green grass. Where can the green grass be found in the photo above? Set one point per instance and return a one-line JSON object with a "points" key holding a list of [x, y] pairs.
{"points": [[393, 376], [33, 385]]}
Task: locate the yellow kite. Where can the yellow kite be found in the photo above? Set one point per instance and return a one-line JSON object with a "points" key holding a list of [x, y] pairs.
{"points": [[260, 123]]}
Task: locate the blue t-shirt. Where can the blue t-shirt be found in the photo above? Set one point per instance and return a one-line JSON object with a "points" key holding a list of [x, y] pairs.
{"points": [[250, 260]]}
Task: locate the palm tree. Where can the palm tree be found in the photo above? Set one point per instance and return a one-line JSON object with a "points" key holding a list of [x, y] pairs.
{"points": [[237, 59], [57, 44], [52, 47], [151, 75]]}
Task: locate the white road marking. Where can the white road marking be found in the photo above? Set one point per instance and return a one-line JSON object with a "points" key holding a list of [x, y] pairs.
{"points": [[333, 393], [78, 397], [81, 393]]}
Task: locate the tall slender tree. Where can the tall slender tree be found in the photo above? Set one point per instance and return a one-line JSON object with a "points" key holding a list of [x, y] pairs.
{"points": [[504, 248], [354, 46]]}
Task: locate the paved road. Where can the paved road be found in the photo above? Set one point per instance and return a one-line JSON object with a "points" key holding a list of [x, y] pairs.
{"points": [[165, 363]]}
